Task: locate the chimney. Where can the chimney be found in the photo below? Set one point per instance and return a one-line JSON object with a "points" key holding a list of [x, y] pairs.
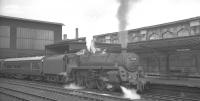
{"points": [[65, 36], [76, 33], [123, 39]]}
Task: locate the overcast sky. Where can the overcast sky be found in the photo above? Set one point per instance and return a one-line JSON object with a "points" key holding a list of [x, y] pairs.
{"points": [[94, 17]]}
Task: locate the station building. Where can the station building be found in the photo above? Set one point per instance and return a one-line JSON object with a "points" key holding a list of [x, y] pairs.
{"points": [[186, 27], [21, 37], [169, 48]]}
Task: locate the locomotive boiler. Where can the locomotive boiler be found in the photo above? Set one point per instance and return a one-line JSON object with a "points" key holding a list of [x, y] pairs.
{"points": [[101, 71]]}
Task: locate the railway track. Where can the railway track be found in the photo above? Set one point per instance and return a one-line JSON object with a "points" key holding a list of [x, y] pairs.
{"points": [[54, 93], [47, 84], [172, 93], [22, 96], [155, 93]]}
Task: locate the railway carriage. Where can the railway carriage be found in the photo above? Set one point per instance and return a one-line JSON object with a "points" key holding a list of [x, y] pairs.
{"points": [[26, 67]]}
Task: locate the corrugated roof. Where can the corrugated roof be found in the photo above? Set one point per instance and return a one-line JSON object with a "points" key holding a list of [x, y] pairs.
{"points": [[24, 58], [31, 20]]}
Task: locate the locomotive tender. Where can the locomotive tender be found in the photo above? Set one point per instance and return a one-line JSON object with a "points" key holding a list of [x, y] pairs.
{"points": [[101, 71]]}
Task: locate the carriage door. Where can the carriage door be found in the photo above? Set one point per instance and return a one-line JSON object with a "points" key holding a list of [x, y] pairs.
{"points": [[65, 63], [1, 65]]}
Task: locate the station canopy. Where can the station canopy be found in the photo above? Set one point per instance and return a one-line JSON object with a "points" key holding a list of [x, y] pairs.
{"points": [[185, 43]]}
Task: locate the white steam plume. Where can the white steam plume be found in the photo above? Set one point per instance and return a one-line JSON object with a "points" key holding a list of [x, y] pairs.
{"points": [[89, 42], [72, 86], [130, 93], [122, 12]]}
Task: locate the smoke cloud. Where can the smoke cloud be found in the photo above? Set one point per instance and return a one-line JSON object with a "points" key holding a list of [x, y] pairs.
{"points": [[122, 12]]}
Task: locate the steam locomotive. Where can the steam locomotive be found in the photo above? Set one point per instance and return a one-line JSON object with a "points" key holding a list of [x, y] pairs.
{"points": [[100, 71]]}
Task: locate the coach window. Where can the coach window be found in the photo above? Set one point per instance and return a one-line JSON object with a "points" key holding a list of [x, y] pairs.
{"points": [[35, 66], [12, 66], [9, 66]]}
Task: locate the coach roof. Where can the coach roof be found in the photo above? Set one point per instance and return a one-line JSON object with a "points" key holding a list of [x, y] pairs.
{"points": [[24, 58]]}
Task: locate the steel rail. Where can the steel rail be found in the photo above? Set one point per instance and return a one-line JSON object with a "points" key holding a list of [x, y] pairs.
{"points": [[76, 93]]}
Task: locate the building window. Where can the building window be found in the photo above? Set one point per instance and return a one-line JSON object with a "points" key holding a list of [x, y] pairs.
{"points": [[195, 27], [107, 41], [143, 34], [168, 35], [35, 66], [195, 30], [182, 62], [4, 36], [154, 36], [34, 38], [183, 32], [135, 37], [152, 65], [114, 38]]}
